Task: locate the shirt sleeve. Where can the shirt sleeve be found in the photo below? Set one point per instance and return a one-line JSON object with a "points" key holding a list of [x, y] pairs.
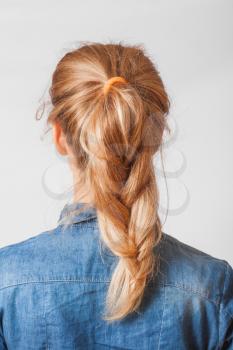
{"points": [[226, 310]]}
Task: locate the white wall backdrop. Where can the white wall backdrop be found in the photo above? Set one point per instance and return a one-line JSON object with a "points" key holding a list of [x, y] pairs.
{"points": [[192, 44]]}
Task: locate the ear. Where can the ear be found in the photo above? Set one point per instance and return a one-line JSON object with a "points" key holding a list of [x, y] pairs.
{"points": [[59, 139]]}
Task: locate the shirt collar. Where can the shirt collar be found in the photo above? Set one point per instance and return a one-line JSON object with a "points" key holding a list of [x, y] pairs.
{"points": [[69, 215], [76, 212]]}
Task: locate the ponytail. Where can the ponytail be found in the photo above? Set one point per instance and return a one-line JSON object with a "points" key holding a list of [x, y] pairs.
{"points": [[111, 104]]}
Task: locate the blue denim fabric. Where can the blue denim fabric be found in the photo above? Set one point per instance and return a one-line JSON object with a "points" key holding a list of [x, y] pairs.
{"points": [[53, 287]]}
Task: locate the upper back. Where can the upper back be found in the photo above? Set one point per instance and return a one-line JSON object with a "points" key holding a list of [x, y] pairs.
{"points": [[53, 288]]}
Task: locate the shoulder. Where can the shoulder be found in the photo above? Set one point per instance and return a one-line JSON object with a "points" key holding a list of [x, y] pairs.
{"points": [[195, 271], [19, 261], [50, 255], [23, 246]]}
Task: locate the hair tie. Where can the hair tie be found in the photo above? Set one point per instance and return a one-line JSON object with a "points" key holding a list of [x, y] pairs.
{"points": [[111, 81]]}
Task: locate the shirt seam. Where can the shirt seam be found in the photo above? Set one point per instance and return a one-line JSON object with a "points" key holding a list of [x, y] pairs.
{"points": [[221, 300], [175, 241], [54, 280], [61, 280], [160, 332], [44, 315], [76, 223], [80, 280]]}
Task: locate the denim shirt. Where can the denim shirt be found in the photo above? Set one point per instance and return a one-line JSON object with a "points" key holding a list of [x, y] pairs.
{"points": [[53, 287]]}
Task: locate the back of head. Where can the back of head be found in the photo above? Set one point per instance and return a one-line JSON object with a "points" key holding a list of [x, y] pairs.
{"points": [[114, 128]]}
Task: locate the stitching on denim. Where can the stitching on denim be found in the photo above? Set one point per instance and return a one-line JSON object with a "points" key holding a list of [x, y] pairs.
{"points": [[175, 241], [161, 327], [44, 315], [80, 221], [59, 280], [191, 290], [91, 280], [54, 280]]}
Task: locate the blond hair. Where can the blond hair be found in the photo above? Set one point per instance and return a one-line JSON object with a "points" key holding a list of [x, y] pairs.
{"points": [[115, 127]]}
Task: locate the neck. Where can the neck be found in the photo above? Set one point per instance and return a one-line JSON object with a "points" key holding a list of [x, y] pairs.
{"points": [[81, 191]]}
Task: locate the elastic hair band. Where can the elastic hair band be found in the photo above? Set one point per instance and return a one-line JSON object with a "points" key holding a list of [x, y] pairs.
{"points": [[111, 81]]}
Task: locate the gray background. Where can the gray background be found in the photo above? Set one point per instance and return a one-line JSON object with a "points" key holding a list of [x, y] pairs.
{"points": [[192, 45]]}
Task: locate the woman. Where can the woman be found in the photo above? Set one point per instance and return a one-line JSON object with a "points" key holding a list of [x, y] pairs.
{"points": [[107, 277]]}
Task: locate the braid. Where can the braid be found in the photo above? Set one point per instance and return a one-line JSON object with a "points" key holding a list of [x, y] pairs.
{"points": [[126, 198]]}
